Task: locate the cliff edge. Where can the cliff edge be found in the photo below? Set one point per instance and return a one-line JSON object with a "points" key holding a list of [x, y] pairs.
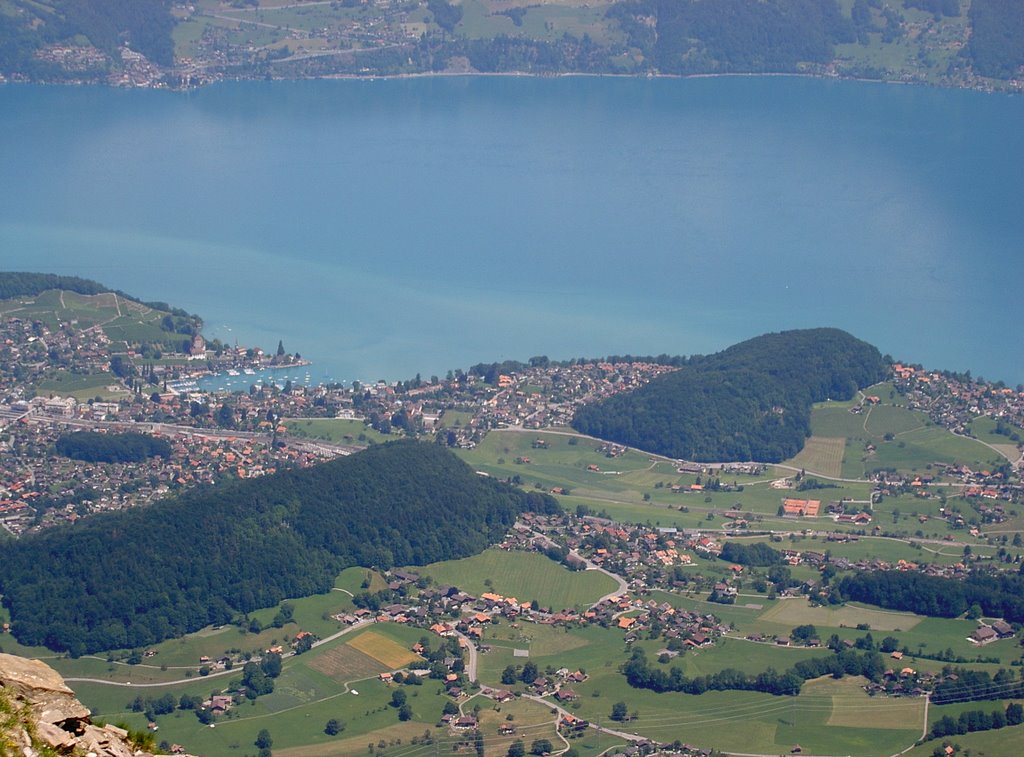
{"points": [[41, 717]]}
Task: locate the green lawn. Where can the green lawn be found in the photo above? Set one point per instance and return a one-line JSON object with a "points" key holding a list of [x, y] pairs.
{"points": [[336, 430], [81, 387], [524, 575], [1004, 742]]}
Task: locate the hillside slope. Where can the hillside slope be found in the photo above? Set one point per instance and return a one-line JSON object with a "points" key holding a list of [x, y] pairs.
{"points": [[751, 401], [134, 578]]}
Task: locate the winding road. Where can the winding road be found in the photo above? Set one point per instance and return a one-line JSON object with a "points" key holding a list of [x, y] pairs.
{"points": [[217, 674]]}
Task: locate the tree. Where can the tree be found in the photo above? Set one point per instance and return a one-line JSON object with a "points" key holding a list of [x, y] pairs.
{"points": [[271, 664], [1014, 713], [530, 673], [397, 698], [225, 417], [280, 348], [620, 711], [516, 749], [540, 746], [334, 727], [509, 675], [263, 739], [405, 712], [447, 16]]}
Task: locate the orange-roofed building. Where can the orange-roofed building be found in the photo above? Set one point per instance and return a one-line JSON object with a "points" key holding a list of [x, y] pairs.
{"points": [[807, 507]]}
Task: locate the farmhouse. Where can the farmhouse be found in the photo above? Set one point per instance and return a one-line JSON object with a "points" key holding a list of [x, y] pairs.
{"points": [[983, 635]]}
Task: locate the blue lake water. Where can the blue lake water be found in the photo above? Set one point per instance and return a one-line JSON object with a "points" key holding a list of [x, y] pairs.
{"points": [[385, 228]]}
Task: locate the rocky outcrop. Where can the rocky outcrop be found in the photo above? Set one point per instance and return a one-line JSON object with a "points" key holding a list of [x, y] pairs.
{"points": [[41, 717]]}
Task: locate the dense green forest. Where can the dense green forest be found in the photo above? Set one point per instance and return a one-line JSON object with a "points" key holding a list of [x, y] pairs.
{"points": [[998, 596], [24, 284], [698, 36], [751, 401], [641, 675], [997, 37], [133, 578], [93, 447], [27, 284], [760, 555]]}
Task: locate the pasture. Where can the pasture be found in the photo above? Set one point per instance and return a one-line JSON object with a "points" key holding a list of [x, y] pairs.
{"points": [[822, 454], [335, 430], [347, 663], [82, 387], [527, 576], [797, 612], [384, 650]]}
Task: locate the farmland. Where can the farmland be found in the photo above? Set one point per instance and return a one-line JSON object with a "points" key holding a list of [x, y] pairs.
{"points": [[525, 576]]}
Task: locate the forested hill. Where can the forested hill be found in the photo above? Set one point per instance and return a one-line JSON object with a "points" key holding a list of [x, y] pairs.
{"points": [[751, 401], [22, 284], [133, 578]]}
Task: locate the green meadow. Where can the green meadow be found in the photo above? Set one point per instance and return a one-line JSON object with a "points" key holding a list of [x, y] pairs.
{"points": [[81, 387], [527, 576], [336, 430]]}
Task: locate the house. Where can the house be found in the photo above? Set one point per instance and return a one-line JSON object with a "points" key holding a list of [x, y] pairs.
{"points": [[983, 635], [1003, 629], [465, 723]]}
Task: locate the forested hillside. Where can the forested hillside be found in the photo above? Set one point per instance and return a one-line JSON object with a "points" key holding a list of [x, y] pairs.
{"points": [[28, 25], [691, 36], [136, 577], [21, 284], [997, 39], [751, 401], [946, 42]]}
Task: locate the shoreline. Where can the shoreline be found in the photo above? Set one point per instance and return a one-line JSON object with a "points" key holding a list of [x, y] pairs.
{"points": [[1011, 87]]}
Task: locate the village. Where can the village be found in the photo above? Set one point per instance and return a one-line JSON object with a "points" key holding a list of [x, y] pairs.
{"points": [[245, 433]]}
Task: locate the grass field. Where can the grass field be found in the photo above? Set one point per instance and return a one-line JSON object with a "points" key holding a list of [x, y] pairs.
{"points": [[384, 650], [81, 387], [796, 612], [525, 576], [336, 430], [822, 454], [347, 663], [1005, 742]]}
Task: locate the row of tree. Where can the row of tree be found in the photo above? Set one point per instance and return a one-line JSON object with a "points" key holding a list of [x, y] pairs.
{"points": [[999, 595], [977, 720], [641, 675]]}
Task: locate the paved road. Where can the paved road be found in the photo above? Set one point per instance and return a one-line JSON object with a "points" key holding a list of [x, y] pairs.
{"points": [[622, 586], [472, 664], [564, 712], [216, 674]]}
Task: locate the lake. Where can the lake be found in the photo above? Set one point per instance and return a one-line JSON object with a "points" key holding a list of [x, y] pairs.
{"points": [[388, 228]]}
